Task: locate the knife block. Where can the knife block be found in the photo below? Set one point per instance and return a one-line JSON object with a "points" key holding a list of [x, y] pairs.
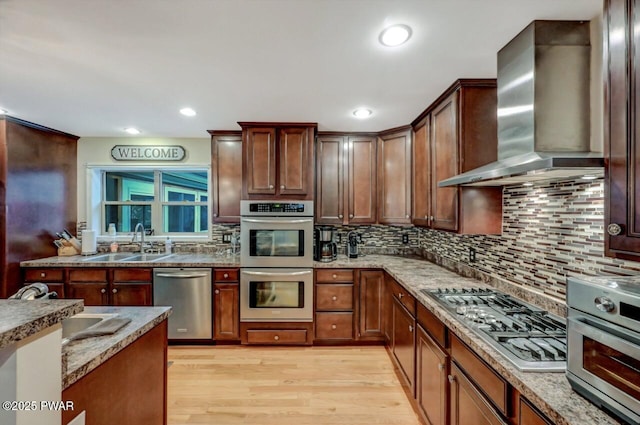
{"points": [[67, 249]]}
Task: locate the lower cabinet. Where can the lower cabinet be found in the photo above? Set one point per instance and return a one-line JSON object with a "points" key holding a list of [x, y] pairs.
{"points": [[226, 315], [129, 388], [371, 293], [91, 285], [132, 287], [335, 306], [432, 369], [404, 343], [276, 333], [529, 415], [468, 406], [53, 278]]}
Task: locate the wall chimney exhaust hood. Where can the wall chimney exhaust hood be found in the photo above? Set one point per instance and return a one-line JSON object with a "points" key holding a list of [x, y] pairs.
{"points": [[543, 108]]}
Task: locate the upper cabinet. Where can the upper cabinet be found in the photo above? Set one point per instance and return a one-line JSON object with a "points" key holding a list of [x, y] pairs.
{"points": [[622, 133], [226, 175], [457, 133], [394, 176], [346, 178], [278, 160]]}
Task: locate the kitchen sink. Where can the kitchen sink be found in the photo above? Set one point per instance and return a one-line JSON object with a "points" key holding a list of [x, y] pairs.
{"points": [[109, 257], [146, 257], [81, 321]]}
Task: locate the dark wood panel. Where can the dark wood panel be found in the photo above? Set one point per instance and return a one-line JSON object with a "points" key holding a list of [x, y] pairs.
{"points": [[434, 327], [335, 296], [259, 161], [421, 166], [226, 307], [91, 293], [362, 177], [129, 389], [33, 159], [334, 325], [133, 275], [330, 181], [295, 161], [88, 275], [371, 288], [334, 275], [226, 275], [287, 333], [432, 368], [131, 294], [394, 177], [403, 296], [467, 405], [44, 275], [226, 175], [404, 343], [529, 415]]}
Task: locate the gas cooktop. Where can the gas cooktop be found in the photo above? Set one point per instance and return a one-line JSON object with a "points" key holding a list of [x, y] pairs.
{"points": [[529, 337]]}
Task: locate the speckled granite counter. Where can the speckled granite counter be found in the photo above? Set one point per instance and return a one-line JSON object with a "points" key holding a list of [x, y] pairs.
{"points": [[20, 319], [82, 356], [550, 392], [174, 260]]}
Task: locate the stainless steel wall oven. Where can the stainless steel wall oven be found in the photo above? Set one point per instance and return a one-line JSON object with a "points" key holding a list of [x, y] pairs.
{"points": [[276, 259], [604, 343]]}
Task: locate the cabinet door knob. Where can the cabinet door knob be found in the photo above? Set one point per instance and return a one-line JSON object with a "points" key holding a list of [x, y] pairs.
{"points": [[103, 291], [400, 295], [334, 298], [270, 186], [440, 367], [614, 229], [334, 327], [226, 275], [452, 379], [215, 215], [43, 274], [350, 215], [431, 218], [340, 216], [411, 328], [406, 216], [217, 291], [114, 290], [282, 187], [277, 338], [426, 217], [335, 276]]}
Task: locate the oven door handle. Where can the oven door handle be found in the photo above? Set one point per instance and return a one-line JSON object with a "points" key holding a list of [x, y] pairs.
{"points": [[300, 273], [287, 221], [606, 333]]}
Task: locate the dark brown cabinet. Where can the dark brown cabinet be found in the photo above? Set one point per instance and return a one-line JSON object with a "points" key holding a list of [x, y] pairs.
{"points": [[91, 285], [335, 306], [226, 175], [404, 343], [371, 290], [432, 368], [529, 415], [467, 405], [226, 305], [346, 185], [622, 134], [132, 287], [394, 176], [455, 134], [278, 160], [53, 278]]}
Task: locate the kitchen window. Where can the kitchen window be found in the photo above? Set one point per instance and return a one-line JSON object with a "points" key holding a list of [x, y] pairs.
{"points": [[169, 201]]}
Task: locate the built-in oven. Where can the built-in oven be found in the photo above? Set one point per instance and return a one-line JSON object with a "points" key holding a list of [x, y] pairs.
{"points": [[276, 234], [272, 294], [604, 343]]}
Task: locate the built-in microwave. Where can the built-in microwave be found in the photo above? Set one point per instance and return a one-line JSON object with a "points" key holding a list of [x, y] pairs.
{"points": [[271, 294]]}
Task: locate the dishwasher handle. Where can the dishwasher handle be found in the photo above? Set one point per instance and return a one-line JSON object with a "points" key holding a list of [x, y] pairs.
{"points": [[181, 275]]}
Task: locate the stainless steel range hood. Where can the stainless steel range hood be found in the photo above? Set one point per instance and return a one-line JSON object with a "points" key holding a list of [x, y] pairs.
{"points": [[543, 108]]}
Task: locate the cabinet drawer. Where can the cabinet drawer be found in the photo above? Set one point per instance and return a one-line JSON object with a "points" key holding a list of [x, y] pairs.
{"points": [[276, 336], [334, 325], [493, 385], [44, 275], [432, 325], [87, 275], [334, 275], [225, 275], [403, 296], [529, 415], [334, 297], [133, 275]]}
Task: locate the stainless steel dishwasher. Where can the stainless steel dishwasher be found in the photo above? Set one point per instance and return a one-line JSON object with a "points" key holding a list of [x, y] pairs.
{"points": [[189, 292]]}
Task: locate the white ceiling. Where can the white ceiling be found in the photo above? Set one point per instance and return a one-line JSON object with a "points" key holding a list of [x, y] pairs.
{"points": [[94, 67]]}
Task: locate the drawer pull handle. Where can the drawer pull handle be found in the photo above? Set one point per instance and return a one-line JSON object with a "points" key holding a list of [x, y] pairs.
{"points": [[335, 276], [334, 298], [276, 337], [440, 367], [452, 379], [334, 327], [43, 274], [226, 275], [215, 214], [217, 291], [410, 328]]}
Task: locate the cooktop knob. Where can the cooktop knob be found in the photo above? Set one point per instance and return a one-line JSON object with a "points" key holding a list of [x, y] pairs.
{"points": [[604, 304]]}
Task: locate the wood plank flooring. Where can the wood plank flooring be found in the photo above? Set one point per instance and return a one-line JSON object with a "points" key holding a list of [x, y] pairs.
{"points": [[228, 385]]}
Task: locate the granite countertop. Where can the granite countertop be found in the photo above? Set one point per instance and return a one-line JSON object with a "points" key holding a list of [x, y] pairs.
{"points": [[550, 392], [20, 319], [174, 260], [82, 356]]}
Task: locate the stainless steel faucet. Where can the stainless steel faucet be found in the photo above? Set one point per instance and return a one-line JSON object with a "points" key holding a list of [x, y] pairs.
{"points": [[135, 236]]}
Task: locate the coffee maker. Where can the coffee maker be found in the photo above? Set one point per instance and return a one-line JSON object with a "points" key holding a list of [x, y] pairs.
{"points": [[352, 245], [325, 249]]}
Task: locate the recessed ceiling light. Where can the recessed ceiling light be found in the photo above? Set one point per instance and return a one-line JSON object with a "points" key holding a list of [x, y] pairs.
{"points": [[132, 130], [527, 184], [3, 112], [362, 113], [395, 35], [589, 177], [188, 112]]}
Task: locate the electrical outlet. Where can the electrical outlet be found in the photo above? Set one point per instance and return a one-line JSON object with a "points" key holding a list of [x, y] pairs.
{"points": [[472, 255], [226, 238], [405, 238]]}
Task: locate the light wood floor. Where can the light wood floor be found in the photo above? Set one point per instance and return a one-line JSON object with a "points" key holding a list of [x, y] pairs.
{"points": [[228, 385]]}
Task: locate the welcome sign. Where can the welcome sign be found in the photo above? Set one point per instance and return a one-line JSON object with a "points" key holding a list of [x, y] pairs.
{"points": [[147, 153]]}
